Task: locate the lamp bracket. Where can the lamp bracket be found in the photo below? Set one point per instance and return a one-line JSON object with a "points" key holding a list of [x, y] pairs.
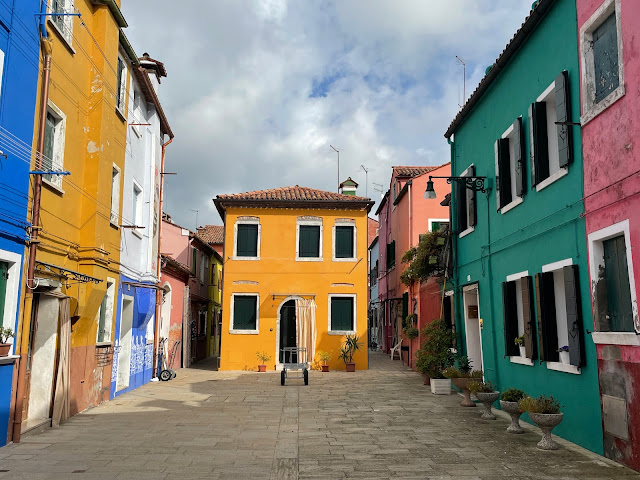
{"points": [[477, 184]]}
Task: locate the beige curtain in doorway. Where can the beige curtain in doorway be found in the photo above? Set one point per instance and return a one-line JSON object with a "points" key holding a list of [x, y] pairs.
{"points": [[306, 326], [61, 395]]}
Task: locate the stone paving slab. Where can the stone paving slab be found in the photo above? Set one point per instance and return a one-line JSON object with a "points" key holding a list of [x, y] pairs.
{"points": [[376, 424]]}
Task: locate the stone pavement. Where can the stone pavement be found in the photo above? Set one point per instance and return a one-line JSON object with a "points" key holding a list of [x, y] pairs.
{"points": [[376, 424]]}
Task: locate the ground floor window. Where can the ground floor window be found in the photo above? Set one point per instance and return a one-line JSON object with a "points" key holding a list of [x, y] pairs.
{"points": [[342, 313], [244, 313], [518, 315]]}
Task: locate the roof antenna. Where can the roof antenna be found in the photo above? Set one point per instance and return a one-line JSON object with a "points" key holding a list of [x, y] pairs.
{"points": [[464, 80]]}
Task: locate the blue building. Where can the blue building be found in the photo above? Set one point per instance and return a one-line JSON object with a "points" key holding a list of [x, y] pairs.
{"points": [[19, 67]]}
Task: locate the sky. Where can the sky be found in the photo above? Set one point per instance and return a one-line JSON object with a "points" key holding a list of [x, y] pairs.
{"points": [[258, 90]]}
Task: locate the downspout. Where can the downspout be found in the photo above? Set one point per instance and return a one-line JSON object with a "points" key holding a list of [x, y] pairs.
{"points": [[25, 326], [410, 245], [454, 248], [156, 332]]}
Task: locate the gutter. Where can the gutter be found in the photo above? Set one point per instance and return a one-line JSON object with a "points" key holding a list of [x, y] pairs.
{"points": [[115, 11], [221, 204], [529, 25], [126, 46]]}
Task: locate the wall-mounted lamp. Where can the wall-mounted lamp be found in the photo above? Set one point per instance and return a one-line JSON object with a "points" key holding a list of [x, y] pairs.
{"points": [[477, 184]]}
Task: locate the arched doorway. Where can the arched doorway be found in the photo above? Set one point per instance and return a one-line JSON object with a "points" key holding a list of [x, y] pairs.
{"points": [[287, 331]]}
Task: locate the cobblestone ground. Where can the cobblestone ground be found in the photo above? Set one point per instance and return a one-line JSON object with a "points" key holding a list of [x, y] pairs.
{"points": [[376, 424]]}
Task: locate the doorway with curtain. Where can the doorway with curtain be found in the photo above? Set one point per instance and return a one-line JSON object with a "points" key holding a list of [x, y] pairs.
{"points": [[288, 332], [296, 325]]}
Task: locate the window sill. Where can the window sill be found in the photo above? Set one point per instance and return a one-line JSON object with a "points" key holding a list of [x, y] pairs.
{"points": [[551, 179], [114, 225], [309, 259], [466, 232], [246, 258], [137, 233], [9, 359], [103, 344], [513, 204], [53, 186], [353, 259], [341, 332], [121, 114], [563, 367], [615, 338], [521, 361], [66, 42], [136, 130], [597, 108], [244, 332]]}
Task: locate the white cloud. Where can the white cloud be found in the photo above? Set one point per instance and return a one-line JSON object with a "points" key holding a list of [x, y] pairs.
{"points": [[241, 74]]}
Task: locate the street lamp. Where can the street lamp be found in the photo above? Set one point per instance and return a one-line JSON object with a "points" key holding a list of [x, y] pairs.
{"points": [[477, 184]]}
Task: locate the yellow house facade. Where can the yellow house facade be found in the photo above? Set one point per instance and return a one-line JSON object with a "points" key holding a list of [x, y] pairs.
{"points": [[78, 250], [285, 250], [215, 304]]}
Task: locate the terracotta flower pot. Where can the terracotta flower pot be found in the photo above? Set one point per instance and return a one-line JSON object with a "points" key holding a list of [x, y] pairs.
{"points": [[546, 422], [262, 368], [325, 368], [5, 348], [487, 399], [462, 384], [513, 409], [351, 366]]}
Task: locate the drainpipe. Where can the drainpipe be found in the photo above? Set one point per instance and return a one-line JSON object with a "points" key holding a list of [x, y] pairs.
{"points": [[410, 245], [156, 332], [25, 326], [454, 246]]}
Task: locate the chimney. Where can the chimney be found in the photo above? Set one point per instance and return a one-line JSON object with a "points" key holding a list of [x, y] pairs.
{"points": [[348, 187]]}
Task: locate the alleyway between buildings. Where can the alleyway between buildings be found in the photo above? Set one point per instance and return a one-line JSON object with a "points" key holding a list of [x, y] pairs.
{"points": [[376, 424]]}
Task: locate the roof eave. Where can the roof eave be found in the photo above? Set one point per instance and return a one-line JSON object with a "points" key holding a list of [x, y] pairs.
{"points": [[222, 204]]}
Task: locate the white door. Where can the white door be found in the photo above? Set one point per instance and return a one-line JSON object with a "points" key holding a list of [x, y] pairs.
{"points": [[472, 328], [124, 355], [43, 358]]}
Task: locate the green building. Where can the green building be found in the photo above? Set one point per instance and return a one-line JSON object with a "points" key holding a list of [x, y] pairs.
{"points": [[520, 247]]}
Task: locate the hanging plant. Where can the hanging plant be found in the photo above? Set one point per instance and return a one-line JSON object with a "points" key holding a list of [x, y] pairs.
{"points": [[427, 259]]}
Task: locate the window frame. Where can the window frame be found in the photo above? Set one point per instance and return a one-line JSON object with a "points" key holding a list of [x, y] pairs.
{"points": [[114, 215], [121, 96], [66, 29], [109, 303], [137, 211], [590, 108], [234, 331], [355, 311], [138, 116], [509, 134], [1, 70], [468, 229], [246, 221], [345, 223], [518, 278], [313, 222], [57, 160], [12, 292], [431, 221]]}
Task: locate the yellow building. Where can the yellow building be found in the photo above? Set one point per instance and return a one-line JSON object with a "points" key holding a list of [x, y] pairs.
{"points": [[77, 260], [215, 305], [295, 262]]}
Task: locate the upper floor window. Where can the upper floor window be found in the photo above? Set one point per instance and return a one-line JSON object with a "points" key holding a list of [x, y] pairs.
{"points": [[344, 240], [105, 313], [465, 201], [53, 154], [194, 261], [603, 69], [510, 167], [391, 255], [137, 207], [121, 94], [1, 69], [115, 195], [309, 241], [63, 23], [247, 239], [551, 149]]}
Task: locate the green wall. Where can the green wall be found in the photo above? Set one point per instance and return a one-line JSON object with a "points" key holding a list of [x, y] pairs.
{"points": [[545, 228]]}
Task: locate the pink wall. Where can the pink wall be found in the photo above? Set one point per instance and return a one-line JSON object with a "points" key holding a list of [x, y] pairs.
{"points": [[174, 244], [175, 328]]}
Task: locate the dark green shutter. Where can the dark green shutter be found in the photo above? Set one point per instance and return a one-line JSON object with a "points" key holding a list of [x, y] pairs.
{"points": [[405, 308], [538, 282], [344, 242], [617, 298], [309, 243], [563, 114], [504, 162], [605, 58], [4, 276], [574, 315], [247, 240], [547, 326], [244, 312], [471, 199], [341, 313], [510, 317], [496, 149], [539, 147], [460, 199], [528, 316], [519, 158]]}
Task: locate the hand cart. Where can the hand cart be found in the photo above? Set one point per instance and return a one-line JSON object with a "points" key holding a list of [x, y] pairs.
{"points": [[294, 359], [169, 373]]}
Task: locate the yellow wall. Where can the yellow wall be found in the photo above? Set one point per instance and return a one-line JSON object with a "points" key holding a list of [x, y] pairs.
{"points": [[215, 297], [277, 272]]}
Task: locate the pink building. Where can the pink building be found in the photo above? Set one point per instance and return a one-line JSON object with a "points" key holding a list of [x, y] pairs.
{"points": [[404, 214], [610, 81]]}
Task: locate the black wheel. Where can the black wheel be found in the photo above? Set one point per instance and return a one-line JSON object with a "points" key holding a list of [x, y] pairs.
{"points": [[283, 376], [305, 374], [165, 375]]}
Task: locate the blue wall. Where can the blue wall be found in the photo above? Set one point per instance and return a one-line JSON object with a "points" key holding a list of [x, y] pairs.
{"points": [[19, 41], [144, 305]]}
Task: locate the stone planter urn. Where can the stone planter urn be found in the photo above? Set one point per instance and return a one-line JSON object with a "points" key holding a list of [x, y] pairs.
{"points": [[462, 384], [546, 422], [487, 399], [513, 409]]}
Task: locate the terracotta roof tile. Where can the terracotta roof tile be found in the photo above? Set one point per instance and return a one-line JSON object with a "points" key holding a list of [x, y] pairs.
{"points": [[294, 194], [211, 234], [412, 171]]}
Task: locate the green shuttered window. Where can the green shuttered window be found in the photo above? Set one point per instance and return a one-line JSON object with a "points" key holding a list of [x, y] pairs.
{"points": [[244, 312], [309, 241], [247, 240], [344, 242], [342, 314], [605, 58], [391, 254]]}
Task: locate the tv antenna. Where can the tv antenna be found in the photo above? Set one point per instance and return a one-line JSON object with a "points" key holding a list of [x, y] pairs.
{"points": [[366, 180], [338, 152], [464, 79], [378, 187]]}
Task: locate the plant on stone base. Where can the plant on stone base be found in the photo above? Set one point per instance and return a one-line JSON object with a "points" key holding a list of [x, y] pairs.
{"points": [[485, 392], [509, 403], [512, 395], [545, 405], [544, 412], [435, 353]]}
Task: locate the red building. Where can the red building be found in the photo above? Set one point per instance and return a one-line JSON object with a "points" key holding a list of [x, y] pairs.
{"points": [[404, 214], [610, 81]]}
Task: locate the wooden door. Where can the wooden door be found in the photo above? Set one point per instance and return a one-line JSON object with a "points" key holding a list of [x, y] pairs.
{"points": [[618, 288]]}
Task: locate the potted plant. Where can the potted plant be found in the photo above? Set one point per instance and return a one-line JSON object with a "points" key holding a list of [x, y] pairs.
{"points": [[564, 354], [435, 355], [348, 349], [324, 358], [544, 412], [461, 377], [509, 403], [411, 332], [487, 394], [5, 335], [519, 341], [264, 358]]}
